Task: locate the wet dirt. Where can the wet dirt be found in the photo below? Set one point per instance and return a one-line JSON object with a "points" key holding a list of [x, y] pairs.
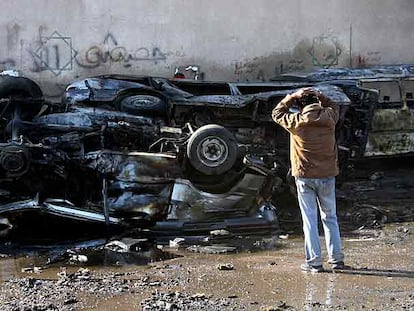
{"points": [[254, 274], [382, 279]]}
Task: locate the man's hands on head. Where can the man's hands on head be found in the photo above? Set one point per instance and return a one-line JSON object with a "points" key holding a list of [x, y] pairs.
{"points": [[299, 97], [304, 91]]}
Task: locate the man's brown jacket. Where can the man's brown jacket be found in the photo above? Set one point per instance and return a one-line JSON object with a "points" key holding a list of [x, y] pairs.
{"points": [[313, 150]]}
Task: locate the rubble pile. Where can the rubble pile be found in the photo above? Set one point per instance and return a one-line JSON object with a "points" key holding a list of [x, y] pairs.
{"points": [[184, 301], [30, 293]]}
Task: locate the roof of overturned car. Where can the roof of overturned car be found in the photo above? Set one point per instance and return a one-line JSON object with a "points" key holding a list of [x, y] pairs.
{"points": [[236, 94]]}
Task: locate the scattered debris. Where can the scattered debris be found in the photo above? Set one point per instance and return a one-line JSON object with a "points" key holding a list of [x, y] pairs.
{"points": [[376, 176], [199, 296], [220, 232], [32, 270], [11, 73], [225, 266], [128, 245], [280, 306], [177, 242], [5, 226], [212, 249], [117, 246], [271, 242], [78, 258], [362, 239], [183, 301], [403, 230]]}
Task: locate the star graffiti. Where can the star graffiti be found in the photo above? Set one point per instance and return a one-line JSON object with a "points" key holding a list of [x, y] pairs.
{"points": [[325, 51], [54, 53]]}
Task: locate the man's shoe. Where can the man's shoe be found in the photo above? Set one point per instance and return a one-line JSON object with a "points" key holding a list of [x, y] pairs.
{"points": [[308, 268], [338, 265]]}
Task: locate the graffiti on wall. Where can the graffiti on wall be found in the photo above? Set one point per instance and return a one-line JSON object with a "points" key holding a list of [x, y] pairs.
{"points": [[325, 51], [110, 51], [371, 58], [263, 69], [322, 51], [248, 68], [54, 53]]}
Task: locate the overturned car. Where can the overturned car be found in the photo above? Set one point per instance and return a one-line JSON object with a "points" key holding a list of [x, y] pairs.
{"points": [[173, 155], [124, 161]]}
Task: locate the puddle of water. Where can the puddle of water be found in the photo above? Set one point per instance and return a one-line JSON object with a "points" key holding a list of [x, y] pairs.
{"points": [[23, 260], [47, 257]]}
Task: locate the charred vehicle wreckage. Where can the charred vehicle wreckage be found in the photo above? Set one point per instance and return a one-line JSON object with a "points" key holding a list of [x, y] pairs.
{"points": [[173, 155]]}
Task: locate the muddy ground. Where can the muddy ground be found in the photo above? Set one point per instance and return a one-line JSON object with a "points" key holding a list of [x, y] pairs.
{"points": [[254, 274]]}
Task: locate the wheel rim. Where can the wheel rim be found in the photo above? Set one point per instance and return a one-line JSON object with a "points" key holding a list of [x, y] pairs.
{"points": [[212, 151]]}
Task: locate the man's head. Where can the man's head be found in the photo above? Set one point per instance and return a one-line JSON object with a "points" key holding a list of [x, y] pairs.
{"points": [[307, 97]]}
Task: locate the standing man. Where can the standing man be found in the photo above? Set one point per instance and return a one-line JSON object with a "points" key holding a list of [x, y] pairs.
{"points": [[314, 161]]}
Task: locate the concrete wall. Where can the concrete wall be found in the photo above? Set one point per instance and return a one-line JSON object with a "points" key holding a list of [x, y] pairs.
{"points": [[56, 41]]}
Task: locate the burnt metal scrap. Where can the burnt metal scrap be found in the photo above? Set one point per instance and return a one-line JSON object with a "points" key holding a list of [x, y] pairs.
{"points": [[139, 152]]}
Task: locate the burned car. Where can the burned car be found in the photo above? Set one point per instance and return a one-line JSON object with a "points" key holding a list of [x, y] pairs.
{"points": [[173, 155], [124, 161], [144, 151]]}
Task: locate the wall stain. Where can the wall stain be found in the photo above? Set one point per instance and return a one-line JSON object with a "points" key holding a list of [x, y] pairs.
{"points": [[13, 36], [322, 52]]}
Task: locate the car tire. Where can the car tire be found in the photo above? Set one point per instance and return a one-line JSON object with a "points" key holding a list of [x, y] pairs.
{"points": [[20, 89], [212, 150], [19, 86], [142, 104]]}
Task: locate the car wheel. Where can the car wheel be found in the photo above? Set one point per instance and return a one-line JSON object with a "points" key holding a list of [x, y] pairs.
{"points": [[26, 101], [21, 85], [212, 150], [142, 104]]}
